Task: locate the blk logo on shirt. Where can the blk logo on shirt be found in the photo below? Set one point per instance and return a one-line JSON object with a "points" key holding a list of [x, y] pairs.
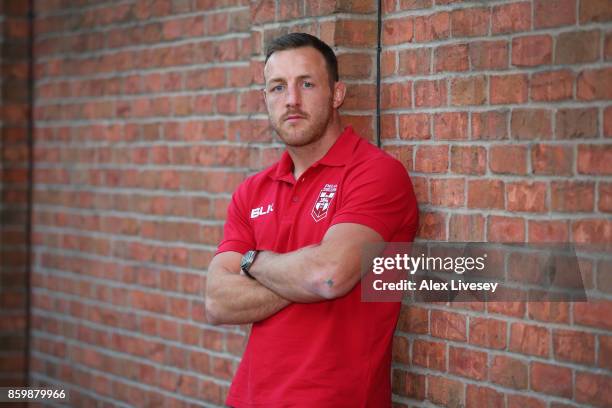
{"points": [[256, 212], [319, 210]]}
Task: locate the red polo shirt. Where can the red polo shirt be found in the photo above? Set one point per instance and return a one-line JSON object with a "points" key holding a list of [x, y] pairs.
{"points": [[333, 353]]}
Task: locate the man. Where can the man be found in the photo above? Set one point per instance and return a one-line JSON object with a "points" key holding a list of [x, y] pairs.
{"points": [[289, 261]]}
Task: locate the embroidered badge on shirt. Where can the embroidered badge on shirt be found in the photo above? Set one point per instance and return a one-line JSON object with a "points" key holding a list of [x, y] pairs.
{"points": [[319, 211]]}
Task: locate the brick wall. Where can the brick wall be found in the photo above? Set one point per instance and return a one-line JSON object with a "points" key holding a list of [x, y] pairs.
{"points": [[148, 115], [504, 125], [14, 184]]}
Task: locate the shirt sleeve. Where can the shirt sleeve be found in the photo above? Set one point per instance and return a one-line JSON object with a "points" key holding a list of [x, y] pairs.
{"points": [[379, 195], [237, 232]]}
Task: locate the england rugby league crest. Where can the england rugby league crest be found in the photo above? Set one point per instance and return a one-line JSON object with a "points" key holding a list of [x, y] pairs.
{"points": [[319, 210]]}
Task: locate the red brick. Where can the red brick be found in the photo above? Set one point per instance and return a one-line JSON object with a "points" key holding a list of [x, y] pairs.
{"points": [[415, 61], [429, 354], [595, 84], [432, 226], [608, 122], [490, 125], [526, 197], [572, 196], [575, 346], [402, 153], [489, 55], [509, 372], [595, 11], [552, 160], [548, 231], [593, 389], [529, 124], [468, 159], [450, 126], [478, 396], [413, 320], [466, 228], [430, 93], [400, 350], [448, 325], [445, 392], [605, 197], [528, 339], [577, 47], [489, 333], [508, 159], [432, 159], [451, 58], [470, 22], [577, 123], [398, 30], [363, 97], [415, 4], [508, 89], [397, 95], [554, 13], [356, 33], [521, 401], [552, 86], [355, 65], [467, 363], [507, 18], [387, 64], [595, 159], [486, 194], [532, 50], [469, 91], [604, 359], [432, 27], [551, 379], [594, 313], [421, 189], [408, 384], [448, 192], [506, 229], [414, 126]]}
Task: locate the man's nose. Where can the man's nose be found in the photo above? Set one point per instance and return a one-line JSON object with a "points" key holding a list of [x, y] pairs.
{"points": [[293, 95]]}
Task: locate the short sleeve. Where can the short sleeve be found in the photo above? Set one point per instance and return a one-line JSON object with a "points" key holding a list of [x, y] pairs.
{"points": [[237, 231], [379, 195]]}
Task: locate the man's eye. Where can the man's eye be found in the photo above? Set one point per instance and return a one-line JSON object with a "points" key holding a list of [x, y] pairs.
{"points": [[308, 84], [276, 88]]}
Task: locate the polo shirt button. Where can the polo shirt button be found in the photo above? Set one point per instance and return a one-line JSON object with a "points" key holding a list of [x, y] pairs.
{"points": [[295, 199]]}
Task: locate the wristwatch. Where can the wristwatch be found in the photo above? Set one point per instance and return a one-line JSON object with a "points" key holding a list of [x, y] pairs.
{"points": [[247, 260]]}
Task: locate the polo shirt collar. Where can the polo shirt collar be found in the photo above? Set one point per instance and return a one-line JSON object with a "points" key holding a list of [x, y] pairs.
{"points": [[338, 155]]}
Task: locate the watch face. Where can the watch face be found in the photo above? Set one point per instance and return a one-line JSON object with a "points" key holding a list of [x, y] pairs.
{"points": [[247, 259]]}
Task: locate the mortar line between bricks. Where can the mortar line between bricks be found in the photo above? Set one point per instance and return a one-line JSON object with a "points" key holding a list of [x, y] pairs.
{"points": [[134, 215], [510, 320], [158, 340], [149, 21], [126, 261], [118, 240], [497, 37], [50, 272], [115, 378], [54, 187], [135, 334]]}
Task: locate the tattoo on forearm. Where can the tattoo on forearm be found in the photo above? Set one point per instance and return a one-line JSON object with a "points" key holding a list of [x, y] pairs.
{"points": [[330, 283]]}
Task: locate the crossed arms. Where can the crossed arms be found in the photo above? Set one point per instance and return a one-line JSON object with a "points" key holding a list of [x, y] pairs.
{"points": [[314, 273]]}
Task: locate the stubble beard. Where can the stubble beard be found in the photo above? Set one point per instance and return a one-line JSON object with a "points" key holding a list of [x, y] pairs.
{"points": [[303, 135]]}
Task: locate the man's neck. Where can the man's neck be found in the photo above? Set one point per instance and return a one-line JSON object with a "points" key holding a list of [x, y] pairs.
{"points": [[304, 156]]}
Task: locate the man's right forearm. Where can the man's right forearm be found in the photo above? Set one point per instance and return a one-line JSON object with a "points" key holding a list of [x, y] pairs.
{"points": [[232, 298]]}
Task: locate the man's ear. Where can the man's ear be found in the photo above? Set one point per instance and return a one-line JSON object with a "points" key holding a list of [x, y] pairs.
{"points": [[339, 93], [265, 95]]}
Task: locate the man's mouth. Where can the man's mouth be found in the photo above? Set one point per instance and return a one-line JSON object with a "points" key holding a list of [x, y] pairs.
{"points": [[293, 117]]}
